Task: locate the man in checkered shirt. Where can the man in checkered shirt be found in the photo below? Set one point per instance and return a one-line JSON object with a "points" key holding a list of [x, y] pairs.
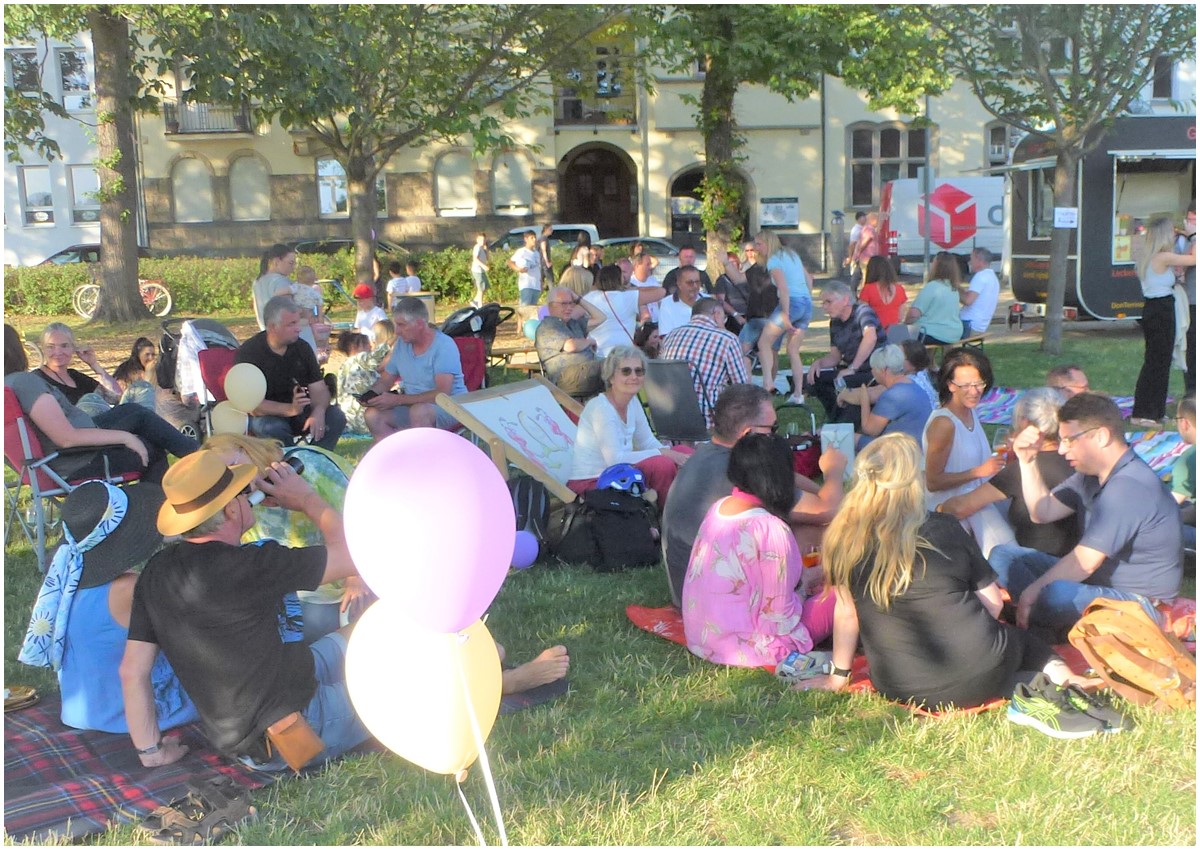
{"points": [[714, 354]]}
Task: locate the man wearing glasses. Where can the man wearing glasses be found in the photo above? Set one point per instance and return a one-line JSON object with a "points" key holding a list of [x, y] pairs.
{"points": [[567, 353], [1132, 540]]}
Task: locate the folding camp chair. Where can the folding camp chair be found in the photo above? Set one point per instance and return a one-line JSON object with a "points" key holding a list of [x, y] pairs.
{"points": [[474, 362], [215, 364], [674, 408], [24, 454], [480, 322]]}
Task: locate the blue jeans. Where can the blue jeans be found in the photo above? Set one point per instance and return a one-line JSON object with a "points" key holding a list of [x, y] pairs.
{"points": [[330, 712], [286, 430], [1061, 603], [529, 297], [752, 330], [799, 313]]}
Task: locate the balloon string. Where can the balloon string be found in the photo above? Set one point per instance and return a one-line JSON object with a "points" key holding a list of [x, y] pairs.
{"points": [[470, 814], [483, 757]]}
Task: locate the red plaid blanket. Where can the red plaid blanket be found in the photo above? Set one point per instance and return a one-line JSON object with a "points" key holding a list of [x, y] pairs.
{"points": [[64, 783]]}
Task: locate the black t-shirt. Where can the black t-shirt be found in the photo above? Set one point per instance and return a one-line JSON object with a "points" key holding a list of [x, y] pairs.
{"points": [[1056, 538], [297, 365], [83, 384], [764, 297], [937, 644], [700, 483], [216, 611], [847, 335]]}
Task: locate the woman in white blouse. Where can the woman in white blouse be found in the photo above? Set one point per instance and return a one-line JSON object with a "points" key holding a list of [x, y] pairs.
{"points": [[613, 429], [619, 306]]}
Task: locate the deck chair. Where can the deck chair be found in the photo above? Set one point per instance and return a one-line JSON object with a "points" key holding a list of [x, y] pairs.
{"points": [[526, 425], [24, 454], [674, 408], [474, 361]]}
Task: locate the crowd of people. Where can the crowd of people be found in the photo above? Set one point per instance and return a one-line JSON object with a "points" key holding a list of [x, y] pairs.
{"points": [[910, 554]]}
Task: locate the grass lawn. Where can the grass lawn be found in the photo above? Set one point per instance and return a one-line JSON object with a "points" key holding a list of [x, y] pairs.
{"points": [[653, 746]]}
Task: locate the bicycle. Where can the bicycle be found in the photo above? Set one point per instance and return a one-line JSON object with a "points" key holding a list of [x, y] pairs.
{"points": [[155, 296]]}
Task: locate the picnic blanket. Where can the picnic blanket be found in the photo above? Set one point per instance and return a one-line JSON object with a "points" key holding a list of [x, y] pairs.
{"points": [[996, 407], [1158, 448], [63, 783]]}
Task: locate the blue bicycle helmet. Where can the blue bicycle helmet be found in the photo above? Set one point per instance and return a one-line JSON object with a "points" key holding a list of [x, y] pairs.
{"points": [[622, 476]]}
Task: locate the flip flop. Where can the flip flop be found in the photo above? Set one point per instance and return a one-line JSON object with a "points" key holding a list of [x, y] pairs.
{"points": [[19, 696], [209, 812]]}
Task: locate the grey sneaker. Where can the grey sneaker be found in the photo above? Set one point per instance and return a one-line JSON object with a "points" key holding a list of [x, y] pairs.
{"points": [[1098, 706], [1043, 706]]}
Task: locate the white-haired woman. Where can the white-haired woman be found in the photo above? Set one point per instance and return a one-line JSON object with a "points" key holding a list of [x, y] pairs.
{"points": [[902, 407], [613, 429], [1158, 321], [1037, 407], [917, 589]]}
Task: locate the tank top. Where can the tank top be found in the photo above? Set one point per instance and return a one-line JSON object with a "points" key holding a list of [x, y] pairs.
{"points": [[89, 677], [1158, 285]]}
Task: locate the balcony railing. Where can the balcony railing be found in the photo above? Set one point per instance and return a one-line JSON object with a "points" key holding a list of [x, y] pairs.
{"points": [[573, 108], [186, 116]]}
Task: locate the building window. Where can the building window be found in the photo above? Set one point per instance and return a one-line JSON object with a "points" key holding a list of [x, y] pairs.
{"points": [[24, 75], [996, 143], [36, 196], [333, 191], [1164, 74], [455, 185], [249, 190], [85, 185], [1041, 198], [191, 186], [73, 75], [882, 153], [512, 188], [596, 90]]}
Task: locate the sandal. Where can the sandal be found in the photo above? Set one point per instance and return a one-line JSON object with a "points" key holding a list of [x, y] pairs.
{"points": [[209, 812]]}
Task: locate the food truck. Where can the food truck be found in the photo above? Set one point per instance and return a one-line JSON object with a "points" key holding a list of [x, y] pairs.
{"points": [[1143, 167]]}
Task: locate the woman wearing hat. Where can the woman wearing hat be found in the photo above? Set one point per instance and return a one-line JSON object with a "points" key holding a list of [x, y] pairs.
{"points": [[81, 617]]}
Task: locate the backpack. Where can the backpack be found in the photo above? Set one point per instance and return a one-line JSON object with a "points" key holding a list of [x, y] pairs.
{"points": [[609, 529], [532, 506], [164, 365], [1134, 656]]}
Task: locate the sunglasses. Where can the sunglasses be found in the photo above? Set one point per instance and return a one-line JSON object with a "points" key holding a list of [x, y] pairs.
{"points": [[632, 370]]}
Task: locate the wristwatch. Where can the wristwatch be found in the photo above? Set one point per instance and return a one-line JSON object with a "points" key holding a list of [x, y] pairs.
{"points": [[834, 670], [151, 750]]}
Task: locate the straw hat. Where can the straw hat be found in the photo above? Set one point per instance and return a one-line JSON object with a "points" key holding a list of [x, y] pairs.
{"points": [[198, 487], [129, 544]]}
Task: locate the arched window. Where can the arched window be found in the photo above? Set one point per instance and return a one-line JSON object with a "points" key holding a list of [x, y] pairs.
{"points": [[249, 189], [882, 152], [455, 185], [512, 187], [191, 187], [333, 192]]}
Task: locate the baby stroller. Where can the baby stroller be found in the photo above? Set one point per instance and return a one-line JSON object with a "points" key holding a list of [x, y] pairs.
{"points": [[479, 322], [178, 373]]}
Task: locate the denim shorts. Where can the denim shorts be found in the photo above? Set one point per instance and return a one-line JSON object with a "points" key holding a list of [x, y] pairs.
{"points": [[529, 297], [799, 312]]}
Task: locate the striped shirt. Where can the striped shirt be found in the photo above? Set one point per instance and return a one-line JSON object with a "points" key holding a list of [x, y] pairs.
{"points": [[714, 355]]}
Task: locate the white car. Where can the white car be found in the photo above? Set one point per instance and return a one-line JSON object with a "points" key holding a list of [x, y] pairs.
{"points": [[566, 234], [666, 252]]}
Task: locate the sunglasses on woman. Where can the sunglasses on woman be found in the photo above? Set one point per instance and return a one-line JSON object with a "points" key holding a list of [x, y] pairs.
{"points": [[632, 370]]}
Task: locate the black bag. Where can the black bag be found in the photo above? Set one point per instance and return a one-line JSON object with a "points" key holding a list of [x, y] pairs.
{"points": [[609, 529], [532, 506]]}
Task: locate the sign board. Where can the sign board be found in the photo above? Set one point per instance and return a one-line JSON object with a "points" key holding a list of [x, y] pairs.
{"points": [[779, 212], [1066, 217]]}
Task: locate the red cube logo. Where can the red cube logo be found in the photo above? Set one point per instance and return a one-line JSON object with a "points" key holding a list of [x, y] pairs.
{"points": [[951, 216]]}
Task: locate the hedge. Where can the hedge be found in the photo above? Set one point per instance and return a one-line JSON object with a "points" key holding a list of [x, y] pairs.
{"points": [[204, 285]]}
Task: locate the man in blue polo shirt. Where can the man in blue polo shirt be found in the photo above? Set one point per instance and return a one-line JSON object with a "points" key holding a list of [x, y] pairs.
{"points": [[1132, 542]]}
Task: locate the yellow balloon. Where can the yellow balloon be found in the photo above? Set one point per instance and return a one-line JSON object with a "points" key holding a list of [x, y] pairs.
{"points": [[245, 386], [416, 689], [227, 419]]}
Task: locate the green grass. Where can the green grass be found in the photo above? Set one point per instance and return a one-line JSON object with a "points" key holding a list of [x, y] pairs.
{"points": [[653, 746]]}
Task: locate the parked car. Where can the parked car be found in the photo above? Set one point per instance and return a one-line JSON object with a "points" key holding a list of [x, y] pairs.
{"points": [[88, 252], [566, 234], [667, 252], [335, 246]]}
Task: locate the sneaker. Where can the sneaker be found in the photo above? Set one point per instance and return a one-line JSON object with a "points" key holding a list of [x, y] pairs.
{"points": [[1094, 705], [1042, 706], [796, 398]]}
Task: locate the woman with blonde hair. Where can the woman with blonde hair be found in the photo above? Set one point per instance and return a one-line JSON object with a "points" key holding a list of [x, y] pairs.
{"points": [[1158, 321], [917, 589], [794, 312], [578, 279], [935, 309]]}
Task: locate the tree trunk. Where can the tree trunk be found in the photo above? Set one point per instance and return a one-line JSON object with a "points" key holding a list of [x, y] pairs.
{"points": [[116, 165], [1066, 171], [717, 125], [360, 183]]}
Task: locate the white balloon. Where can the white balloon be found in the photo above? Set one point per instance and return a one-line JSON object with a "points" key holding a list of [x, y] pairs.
{"points": [[227, 419], [245, 386]]}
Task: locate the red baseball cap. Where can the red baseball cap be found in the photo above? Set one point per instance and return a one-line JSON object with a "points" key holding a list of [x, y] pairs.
{"points": [[364, 290]]}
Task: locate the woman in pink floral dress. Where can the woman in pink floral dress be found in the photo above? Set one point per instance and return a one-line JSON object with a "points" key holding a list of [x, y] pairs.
{"points": [[747, 601]]}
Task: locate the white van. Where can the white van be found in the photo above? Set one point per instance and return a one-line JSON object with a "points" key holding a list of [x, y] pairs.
{"points": [[964, 213]]}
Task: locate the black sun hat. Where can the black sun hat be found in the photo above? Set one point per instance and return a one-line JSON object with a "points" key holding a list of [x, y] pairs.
{"points": [[133, 541]]}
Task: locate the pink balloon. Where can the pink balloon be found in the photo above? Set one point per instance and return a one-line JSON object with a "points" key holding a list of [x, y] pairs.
{"points": [[526, 550], [430, 526]]}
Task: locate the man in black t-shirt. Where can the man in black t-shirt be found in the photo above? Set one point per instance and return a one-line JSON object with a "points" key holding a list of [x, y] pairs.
{"points": [[298, 400], [216, 609]]}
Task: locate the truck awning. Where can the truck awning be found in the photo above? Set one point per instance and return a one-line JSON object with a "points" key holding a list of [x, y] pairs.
{"points": [[1028, 165], [1174, 153]]}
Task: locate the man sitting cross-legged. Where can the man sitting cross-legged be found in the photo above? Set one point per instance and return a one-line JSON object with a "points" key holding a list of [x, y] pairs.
{"points": [[426, 362], [741, 409], [297, 400], [1131, 546]]}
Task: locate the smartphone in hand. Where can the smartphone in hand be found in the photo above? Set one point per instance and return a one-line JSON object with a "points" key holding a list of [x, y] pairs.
{"points": [[363, 398]]}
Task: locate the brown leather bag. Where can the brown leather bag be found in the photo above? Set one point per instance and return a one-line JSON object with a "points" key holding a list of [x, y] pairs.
{"points": [[1134, 656], [292, 738]]}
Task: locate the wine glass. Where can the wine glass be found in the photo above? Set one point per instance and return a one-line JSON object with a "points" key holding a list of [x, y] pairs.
{"points": [[1000, 446], [811, 556]]}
